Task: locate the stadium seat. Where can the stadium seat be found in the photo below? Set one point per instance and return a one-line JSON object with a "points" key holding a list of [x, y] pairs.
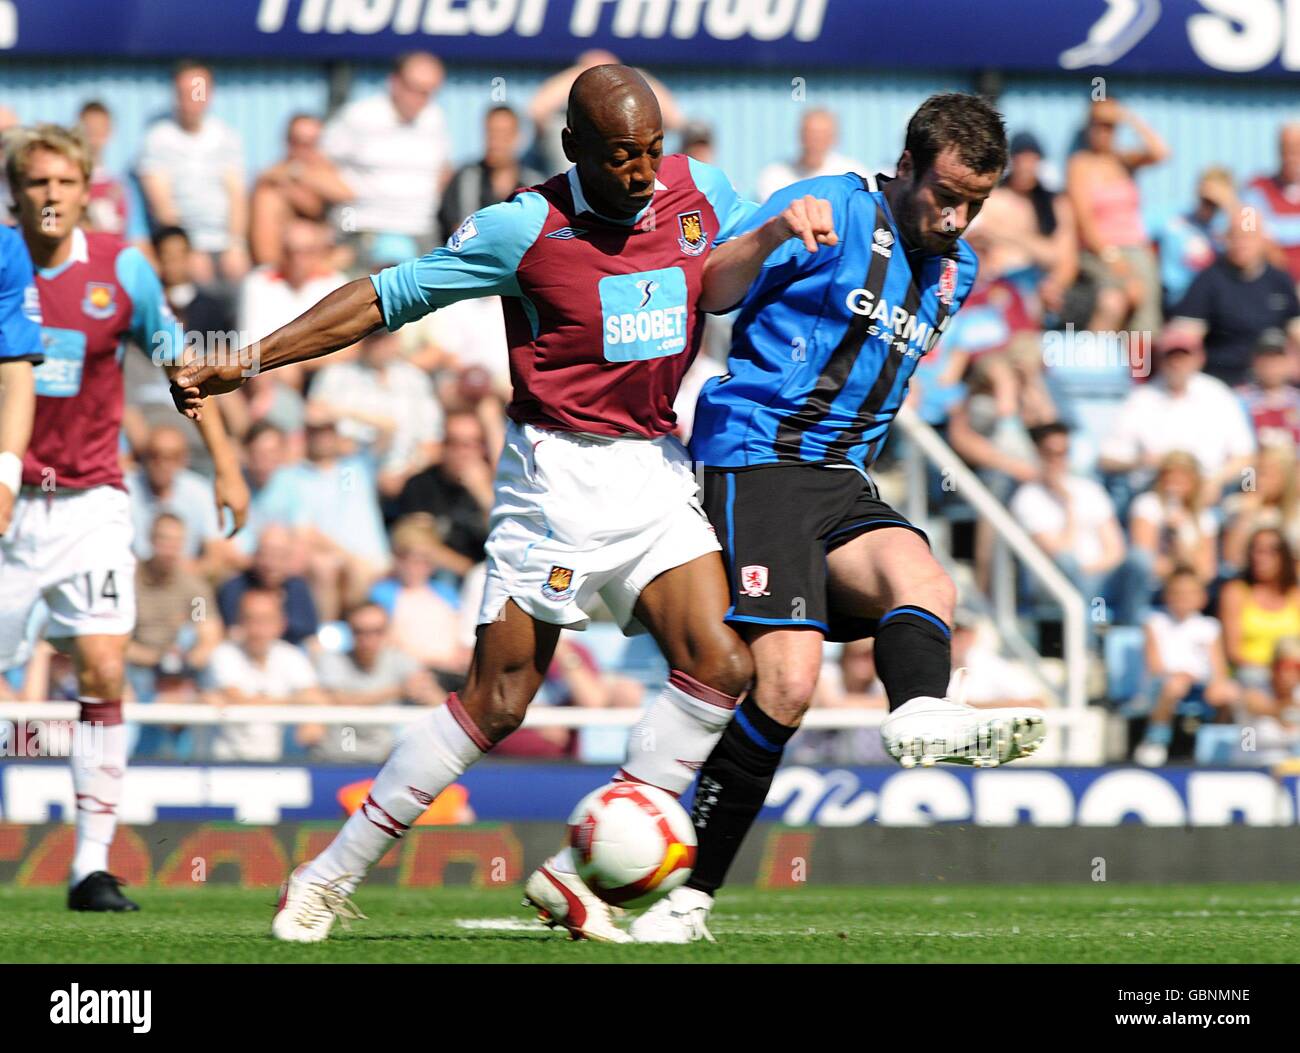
{"points": [[1123, 649], [1089, 397], [637, 657], [1217, 743], [601, 745], [606, 643]]}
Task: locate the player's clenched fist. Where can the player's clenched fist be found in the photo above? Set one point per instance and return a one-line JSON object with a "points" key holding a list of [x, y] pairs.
{"points": [[197, 380], [809, 218]]}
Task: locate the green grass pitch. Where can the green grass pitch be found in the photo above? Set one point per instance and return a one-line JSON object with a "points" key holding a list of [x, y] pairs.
{"points": [[1096, 923]]}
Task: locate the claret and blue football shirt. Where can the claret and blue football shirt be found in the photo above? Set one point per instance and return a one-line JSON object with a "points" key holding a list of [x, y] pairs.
{"points": [[601, 314]]}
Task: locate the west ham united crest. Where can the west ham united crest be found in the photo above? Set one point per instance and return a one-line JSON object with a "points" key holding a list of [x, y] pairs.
{"points": [[100, 300], [691, 236], [559, 583]]}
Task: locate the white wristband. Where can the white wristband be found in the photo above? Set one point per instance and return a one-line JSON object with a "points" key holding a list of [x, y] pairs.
{"points": [[11, 471]]}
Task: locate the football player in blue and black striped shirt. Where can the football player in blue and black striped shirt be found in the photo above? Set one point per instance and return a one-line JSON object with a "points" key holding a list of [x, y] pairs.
{"points": [[822, 351]]}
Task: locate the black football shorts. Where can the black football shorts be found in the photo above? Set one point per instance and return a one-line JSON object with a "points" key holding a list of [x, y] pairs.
{"points": [[777, 524]]}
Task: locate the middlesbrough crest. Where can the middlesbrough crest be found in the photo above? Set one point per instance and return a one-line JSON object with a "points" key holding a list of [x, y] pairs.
{"points": [[947, 282], [753, 580]]}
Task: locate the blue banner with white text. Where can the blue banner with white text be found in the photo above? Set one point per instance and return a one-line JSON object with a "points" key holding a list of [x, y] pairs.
{"points": [[36, 792], [1171, 37]]}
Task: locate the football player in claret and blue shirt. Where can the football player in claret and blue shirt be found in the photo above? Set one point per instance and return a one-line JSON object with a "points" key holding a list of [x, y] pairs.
{"points": [[601, 275], [821, 355], [68, 546]]}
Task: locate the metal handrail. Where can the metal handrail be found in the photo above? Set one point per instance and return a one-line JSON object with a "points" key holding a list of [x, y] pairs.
{"points": [[198, 714], [1014, 542]]}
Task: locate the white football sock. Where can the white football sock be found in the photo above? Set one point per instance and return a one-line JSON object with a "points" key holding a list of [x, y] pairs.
{"points": [[431, 754], [670, 743], [677, 734], [98, 768]]}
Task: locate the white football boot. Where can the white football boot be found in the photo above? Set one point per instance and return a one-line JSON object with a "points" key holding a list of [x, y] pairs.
{"points": [[928, 730], [307, 908], [1151, 754], [563, 901], [680, 917]]}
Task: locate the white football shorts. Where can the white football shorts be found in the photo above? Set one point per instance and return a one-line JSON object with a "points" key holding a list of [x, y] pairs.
{"points": [[579, 516], [72, 549]]}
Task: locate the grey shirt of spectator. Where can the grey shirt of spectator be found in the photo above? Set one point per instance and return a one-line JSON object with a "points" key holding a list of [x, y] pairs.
{"points": [[196, 165], [365, 743]]}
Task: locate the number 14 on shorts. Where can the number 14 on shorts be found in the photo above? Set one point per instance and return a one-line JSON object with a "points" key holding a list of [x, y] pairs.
{"points": [[107, 582]]}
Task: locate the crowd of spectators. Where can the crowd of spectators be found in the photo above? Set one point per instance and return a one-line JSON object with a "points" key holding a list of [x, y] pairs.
{"points": [[1162, 479], [1125, 377]]}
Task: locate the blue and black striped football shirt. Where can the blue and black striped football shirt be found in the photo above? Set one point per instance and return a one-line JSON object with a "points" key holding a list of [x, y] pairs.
{"points": [[826, 342]]}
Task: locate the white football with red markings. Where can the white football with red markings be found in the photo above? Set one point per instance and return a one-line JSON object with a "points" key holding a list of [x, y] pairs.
{"points": [[631, 843]]}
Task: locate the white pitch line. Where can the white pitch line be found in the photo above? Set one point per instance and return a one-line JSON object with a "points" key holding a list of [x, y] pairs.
{"points": [[499, 924]]}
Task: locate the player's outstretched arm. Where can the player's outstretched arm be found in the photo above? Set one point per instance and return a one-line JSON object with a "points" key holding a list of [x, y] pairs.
{"points": [[339, 320], [17, 412], [229, 489], [732, 268]]}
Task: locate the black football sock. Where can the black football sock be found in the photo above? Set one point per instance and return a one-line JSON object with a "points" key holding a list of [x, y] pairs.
{"points": [[732, 788], [913, 654]]}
